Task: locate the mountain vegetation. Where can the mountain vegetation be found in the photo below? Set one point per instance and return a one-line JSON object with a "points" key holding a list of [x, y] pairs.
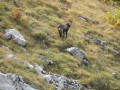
{"points": [[37, 21]]}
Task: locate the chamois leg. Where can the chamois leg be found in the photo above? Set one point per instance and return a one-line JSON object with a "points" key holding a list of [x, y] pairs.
{"points": [[63, 34], [60, 33], [66, 34]]}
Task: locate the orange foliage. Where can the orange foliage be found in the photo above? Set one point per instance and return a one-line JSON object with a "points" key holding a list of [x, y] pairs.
{"points": [[16, 14]]}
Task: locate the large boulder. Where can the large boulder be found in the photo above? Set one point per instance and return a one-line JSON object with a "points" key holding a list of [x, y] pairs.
{"points": [[13, 82], [77, 53], [18, 38]]}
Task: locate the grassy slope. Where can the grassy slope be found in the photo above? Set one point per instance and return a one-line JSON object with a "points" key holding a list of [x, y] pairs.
{"points": [[44, 17]]}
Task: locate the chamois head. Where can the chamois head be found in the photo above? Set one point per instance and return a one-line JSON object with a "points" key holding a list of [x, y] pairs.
{"points": [[70, 22]]}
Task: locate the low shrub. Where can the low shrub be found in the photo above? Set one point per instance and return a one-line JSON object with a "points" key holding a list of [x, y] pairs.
{"points": [[16, 14], [114, 17]]}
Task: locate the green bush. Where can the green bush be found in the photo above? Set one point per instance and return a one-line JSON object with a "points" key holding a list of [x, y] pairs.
{"points": [[114, 17]]}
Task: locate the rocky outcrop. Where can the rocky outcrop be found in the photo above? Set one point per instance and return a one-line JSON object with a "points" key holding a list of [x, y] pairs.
{"points": [[77, 53], [49, 62], [41, 71], [97, 40], [60, 81], [100, 42], [13, 82], [18, 38], [63, 83], [12, 57]]}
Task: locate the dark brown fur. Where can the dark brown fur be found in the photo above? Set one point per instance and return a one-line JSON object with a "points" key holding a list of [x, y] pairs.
{"points": [[63, 28]]}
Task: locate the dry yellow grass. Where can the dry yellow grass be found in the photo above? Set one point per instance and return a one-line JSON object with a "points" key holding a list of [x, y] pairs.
{"points": [[44, 17]]}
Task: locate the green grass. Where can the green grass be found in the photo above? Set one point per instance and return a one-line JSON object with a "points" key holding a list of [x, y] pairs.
{"points": [[42, 38]]}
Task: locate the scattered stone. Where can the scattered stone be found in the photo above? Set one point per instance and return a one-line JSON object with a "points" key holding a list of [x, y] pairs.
{"points": [[49, 62], [115, 51], [28, 64], [47, 78], [78, 54], [85, 62], [89, 36], [12, 57], [84, 18], [40, 70], [13, 82], [61, 81], [115, 76], [18, 38], [103, 44], [100, 42]]}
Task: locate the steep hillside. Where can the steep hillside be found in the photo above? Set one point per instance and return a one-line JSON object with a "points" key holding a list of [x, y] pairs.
{"points": [[38, 25]]}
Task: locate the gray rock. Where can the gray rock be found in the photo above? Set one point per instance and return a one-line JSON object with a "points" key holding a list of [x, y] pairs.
{"points": [[61, 81], [84, 18], [115, 51], [49, 62], [18, 38], [40, 70], [12, 57], [115, 76], [100, 42], [2, 46], [28, 64], [85, 62], [78, 54], [89, 36], [13, 82], [47, 78]]}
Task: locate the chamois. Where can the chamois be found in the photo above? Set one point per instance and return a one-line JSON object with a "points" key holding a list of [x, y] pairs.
{"points": [[63, 28]]}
